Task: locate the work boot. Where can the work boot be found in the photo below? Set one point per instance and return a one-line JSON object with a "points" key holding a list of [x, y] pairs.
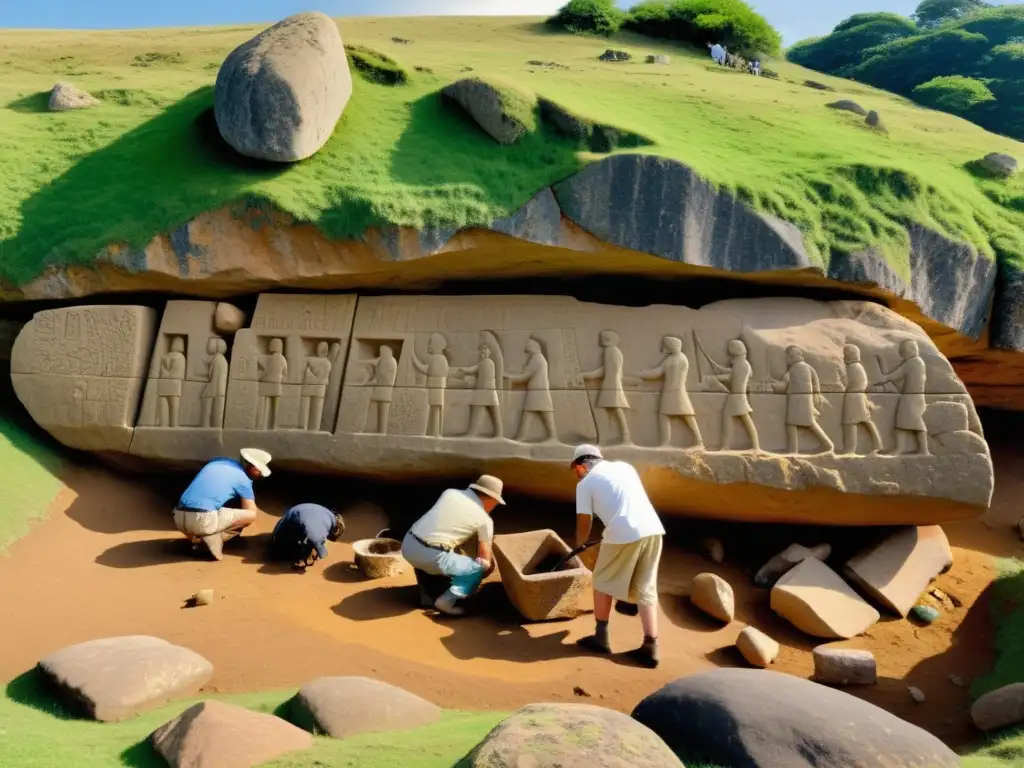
{"points": [[647, 655], [446, 604], [597, 642], [215, 543]]}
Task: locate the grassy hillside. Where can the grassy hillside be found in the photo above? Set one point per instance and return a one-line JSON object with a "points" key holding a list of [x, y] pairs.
{"points": [[145, 161], [35, 466]]}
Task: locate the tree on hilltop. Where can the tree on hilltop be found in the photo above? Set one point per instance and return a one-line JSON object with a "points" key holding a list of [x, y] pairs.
{"points": [[600, 17], [935, 13]]}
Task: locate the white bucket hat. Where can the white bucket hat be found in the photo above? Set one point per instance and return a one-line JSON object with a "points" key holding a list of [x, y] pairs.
{"points": [[259, 459], [490, 485], [585, 450]]}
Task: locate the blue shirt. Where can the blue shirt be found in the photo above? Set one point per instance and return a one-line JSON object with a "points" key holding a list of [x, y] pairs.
{"points": [[220, 481], [310, 522]]}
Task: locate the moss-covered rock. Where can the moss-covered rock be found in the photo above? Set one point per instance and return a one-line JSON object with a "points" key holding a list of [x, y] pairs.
{"points": [[503, 112], [376, 67]]}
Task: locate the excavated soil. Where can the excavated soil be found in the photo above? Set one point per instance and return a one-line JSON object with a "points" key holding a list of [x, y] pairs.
{"points": [[107, 562]]}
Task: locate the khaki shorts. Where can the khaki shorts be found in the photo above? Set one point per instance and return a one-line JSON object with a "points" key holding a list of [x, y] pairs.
{"points": [[629, 571], [201, 524]]}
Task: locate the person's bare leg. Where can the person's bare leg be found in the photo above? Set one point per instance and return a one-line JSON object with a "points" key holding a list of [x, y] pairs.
{"points": [[164, 409], [316, 414], [826, 441], [207, 417], [304, 413], [496, 420], [524, 426], [383, 413], [440, 421], [174, 403], [665, 430], [698, 439], [647, 655], [218, 412], [748, 422], [598, 642], [922, 443], [549, 424], [876, 439], [850, 439], [794, 439], [274, 403], [726, 434], [620, 417], [649, 620], [476, 421]]}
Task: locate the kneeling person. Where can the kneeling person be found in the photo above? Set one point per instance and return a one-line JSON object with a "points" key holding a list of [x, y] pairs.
{"points": [[300, 534], [457, 516], [201, 513], [627, 565]]}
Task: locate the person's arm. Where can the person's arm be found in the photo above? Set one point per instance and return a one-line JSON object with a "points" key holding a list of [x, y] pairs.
{"points": [[517, 377], [597, 373], [782, 384], [652, 375], [420, 366], [484, 556], [250, 504], [584, 514], [584, 523]]}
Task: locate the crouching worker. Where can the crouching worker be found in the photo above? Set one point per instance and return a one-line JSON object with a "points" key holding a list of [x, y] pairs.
{"points": [[456, 517], [299, 537], [201, 513], [627, 566]]}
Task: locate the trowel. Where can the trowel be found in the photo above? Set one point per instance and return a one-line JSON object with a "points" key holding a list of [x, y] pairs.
{"points": [[579, 550]]}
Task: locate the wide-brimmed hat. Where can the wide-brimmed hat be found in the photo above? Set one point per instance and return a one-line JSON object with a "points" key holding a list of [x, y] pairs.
{"points": [[490, 485], [259, 459], [584, 451]]}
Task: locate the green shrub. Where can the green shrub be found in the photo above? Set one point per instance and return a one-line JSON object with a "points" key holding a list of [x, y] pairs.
{"points": [[851, 39], [956, 94], [935, 13], [903, 65], [375, 66], [598, 16], [998, 25], [732, 23]]}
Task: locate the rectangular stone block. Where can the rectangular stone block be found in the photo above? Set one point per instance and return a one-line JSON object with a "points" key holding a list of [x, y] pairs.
{"points": [[523, 561]]}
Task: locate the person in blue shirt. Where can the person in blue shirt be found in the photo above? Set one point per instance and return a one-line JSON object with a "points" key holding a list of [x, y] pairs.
{"points": [[202, 513], [300, 535]]}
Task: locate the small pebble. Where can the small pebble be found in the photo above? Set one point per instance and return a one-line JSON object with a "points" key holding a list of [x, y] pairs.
{"points": [[956, 680], [926, 613], [916, 694], [580, 692], [204, 597]]}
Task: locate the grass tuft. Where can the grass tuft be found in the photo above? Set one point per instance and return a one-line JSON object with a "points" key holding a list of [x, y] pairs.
{"points": [[375, 67]]}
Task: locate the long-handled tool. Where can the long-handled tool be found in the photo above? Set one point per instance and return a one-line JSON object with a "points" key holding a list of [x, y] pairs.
{"points": [[579, 550]]}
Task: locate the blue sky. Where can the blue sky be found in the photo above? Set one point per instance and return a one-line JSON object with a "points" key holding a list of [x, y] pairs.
{"points": [[796, 19]]}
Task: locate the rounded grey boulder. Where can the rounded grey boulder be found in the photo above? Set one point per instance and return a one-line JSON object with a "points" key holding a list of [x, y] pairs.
{"points": [[999, 164], [279, 95], [64, 97], [845, 105], [570, 736], [752, 718], [343, 707]]}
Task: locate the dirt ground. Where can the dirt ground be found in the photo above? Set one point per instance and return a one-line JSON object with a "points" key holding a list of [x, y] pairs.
{"points": [[108, 562]]}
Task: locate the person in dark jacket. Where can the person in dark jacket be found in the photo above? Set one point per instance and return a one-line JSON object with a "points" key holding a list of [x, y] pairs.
{"points": [[300, 535]]}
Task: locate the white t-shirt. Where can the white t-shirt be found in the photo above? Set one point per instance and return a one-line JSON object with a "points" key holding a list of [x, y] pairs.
{"points": [[612, 492], [455, 518]]}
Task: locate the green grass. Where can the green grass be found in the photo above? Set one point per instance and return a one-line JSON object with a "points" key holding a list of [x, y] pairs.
{"points": [[36, 733], [31, 482], [144, 162]]}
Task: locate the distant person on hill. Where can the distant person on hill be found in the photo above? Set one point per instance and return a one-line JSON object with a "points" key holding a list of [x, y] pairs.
{"points": [[627, 565], [300, 535], [755, 67], [717, 53], [201, 512], [431, 544]]}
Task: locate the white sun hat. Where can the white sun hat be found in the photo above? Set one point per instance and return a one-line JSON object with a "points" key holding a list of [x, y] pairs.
{"points": [[259, 459], [586, 450], [489, 485]]}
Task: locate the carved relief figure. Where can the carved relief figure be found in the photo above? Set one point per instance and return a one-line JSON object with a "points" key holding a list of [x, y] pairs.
{"points": [[856, 408], [314, 388], [436, 370], [172, 375], [803, 396], [216, 389], [484, 400], [273, 370], [736, 378], [675, 401], [538, 392], [383, 373], [910, 376], [611, 397]]}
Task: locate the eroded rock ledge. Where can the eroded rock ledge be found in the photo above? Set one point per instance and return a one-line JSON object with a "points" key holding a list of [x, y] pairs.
{"points": [[728, 411]]}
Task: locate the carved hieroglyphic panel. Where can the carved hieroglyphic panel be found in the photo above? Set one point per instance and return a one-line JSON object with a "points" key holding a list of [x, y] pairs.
{"points": [[80, 372], [262, 387]]}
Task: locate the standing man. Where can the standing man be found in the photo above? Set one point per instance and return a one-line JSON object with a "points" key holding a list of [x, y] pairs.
{"points": [[457, 516], [912, 374], [538, 392], [300, 535], [611, 398], [803, 396], [172, 374], [201, 513], [675, 401], [627, 566]]}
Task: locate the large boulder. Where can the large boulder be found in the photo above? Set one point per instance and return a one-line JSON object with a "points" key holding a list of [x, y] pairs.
{"points": [[898, 569], [999, 164], [500, 112], [212, 734], [65, 97], [279, 95], [749, 718], [343, 707], [816, 600], [116, 678], [570, 736], [1000, 708]]}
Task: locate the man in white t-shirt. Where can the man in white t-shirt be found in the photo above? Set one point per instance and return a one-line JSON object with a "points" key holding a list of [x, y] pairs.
{"points": [[457, 516], [627, 566]]}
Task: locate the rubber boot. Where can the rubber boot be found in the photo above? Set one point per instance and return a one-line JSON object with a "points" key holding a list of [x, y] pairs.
{"points": [[597, 642], [215, 544], [446, 604], [647, 655]]}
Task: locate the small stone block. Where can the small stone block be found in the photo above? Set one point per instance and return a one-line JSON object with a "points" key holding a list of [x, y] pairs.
{"points": [[523, 561]]}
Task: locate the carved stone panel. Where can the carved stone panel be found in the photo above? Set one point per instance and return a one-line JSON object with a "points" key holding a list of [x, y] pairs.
{"points": [[80, 372]]}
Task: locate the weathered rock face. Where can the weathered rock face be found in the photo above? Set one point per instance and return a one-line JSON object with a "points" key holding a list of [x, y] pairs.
{"points": [[64, 97], [752, 717], [116, 678], [212, 734], [485, 104], [435, 386], [279, 95], [896, 571], [524, 561], [1000, 164], [569, 735], [343, 707], [816, 600]]}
